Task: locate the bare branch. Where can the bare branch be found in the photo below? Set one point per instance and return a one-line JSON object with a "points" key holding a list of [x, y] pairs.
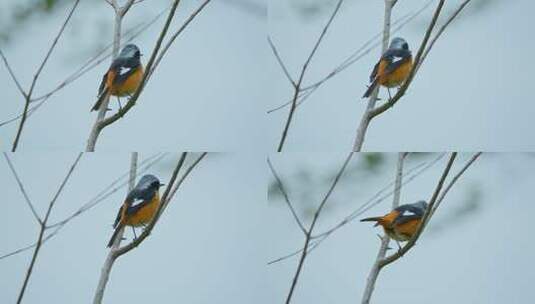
{"points": [[297, 86], [177, 33], [286, 198], [363, 50], [106, 269], [425, 217], [89, 65], [181, 180], [166, 198], [116, 252], [279, 60], [17, 83], [43, 227], [380, 109], [453, 181], [103, 122], [311, 228], [385, 240], [376, 199], [100, 197], [441, 30], [123, 10], [36, 76], [365, 121], [21, 186]]}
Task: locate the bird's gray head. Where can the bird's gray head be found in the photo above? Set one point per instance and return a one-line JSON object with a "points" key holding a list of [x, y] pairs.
{"points": [[130, 51], [149, 182], [399, 43], [421, 204]]}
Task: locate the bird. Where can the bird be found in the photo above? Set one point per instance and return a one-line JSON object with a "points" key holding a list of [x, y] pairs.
{"points": [[401, 223], [123, 77], [393, 67], [139, 207]]}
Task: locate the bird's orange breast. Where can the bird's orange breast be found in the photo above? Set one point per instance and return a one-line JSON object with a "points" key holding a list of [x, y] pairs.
{"points": [[396, 77], [129, 86], [144, 214], [406, 230]]}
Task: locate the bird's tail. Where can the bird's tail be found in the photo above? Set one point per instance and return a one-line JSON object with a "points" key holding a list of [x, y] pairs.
{"points": [[370, 89], [100, 99], [115, 234], [376, 219]]}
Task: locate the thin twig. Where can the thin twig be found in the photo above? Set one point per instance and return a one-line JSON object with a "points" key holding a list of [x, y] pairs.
{"points": [[28, 96], [17, 83], [286, 198], [417, 60], [311, 228], [441, 30], [21, 187], [166, 199], [98, 198], [177, 33], [297, 86], [116, 252], [180, 181], [365, 121], [43, 227], [376, 199], [95, 130], [454, 180], [364, 49], [425, 217], [281, 63], [106, 269], [385, 240], [153, 63], [89, 65]]}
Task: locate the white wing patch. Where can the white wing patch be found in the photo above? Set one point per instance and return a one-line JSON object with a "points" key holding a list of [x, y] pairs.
{"points": [[124, 70], [408, 212], [137, 202], [396, 59]]}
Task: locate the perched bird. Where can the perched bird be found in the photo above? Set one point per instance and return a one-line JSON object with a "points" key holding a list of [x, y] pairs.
{"points": [[139, 206], [401, 223], [123, 77], [393, 67]]}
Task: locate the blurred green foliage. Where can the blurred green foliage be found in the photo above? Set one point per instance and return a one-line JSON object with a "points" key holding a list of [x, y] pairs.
{"points": [[306, 188], [24, 13]]}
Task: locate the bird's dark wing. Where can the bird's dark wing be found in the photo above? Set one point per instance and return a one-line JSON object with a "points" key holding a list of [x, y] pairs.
{"points": [[102, 84], [118, 218], [137, 199], [124, 68], [407, 213], [410, 209], [374, 72], [395, 59], [402, 219]]}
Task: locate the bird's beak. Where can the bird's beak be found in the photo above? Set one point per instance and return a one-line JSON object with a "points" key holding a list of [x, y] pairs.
{"points": [[162, 184]]}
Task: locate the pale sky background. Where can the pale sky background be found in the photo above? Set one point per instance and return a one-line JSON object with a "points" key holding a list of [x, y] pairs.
{"points": [[477, 248], [473, 91]]}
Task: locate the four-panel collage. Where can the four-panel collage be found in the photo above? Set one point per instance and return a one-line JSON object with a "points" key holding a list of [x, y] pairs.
{"points": [[252, 151]]}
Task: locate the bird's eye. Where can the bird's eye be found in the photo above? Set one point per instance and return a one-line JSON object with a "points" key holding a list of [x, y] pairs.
{"points": [[406, 46]]}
